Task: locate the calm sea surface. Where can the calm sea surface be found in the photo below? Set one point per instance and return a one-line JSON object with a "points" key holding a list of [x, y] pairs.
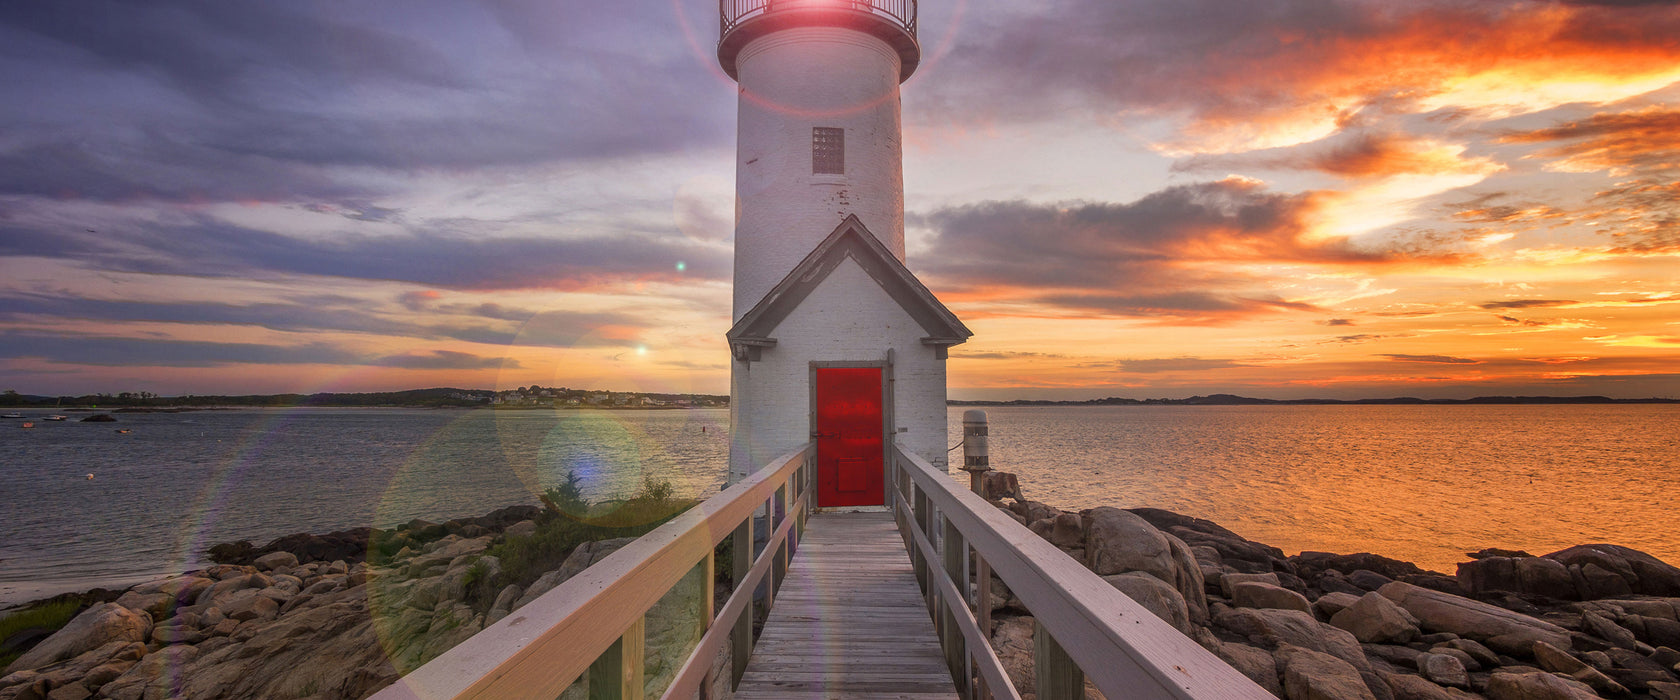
{"points": [[1420, 483]]}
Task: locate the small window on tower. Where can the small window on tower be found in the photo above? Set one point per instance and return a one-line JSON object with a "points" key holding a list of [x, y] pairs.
{"points": [[828, 150]]}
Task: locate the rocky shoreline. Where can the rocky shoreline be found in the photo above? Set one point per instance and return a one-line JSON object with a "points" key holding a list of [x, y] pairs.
{"points": [[308, 616], [1590, 621]]}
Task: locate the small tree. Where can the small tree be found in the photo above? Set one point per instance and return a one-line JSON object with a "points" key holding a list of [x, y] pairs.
{"points": [[566, 497]]}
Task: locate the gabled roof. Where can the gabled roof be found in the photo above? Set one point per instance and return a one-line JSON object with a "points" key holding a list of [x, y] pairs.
{"points": [[850, 240]]}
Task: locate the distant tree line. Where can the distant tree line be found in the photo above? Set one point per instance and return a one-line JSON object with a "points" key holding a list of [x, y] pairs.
{"points": [[433, 398]]}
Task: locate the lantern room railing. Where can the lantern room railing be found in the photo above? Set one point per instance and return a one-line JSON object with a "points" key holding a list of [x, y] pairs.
{"points": [[733, 12]]}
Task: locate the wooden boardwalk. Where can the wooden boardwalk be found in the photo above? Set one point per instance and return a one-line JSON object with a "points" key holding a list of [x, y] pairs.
{"points": [[849, 621]]}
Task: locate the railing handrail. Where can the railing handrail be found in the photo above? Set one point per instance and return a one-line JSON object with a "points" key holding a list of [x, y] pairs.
{"points": [[733, 12], [540, 648], [1122, 647]]}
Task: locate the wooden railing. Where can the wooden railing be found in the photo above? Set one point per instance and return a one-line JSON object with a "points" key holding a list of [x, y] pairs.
{"points": [[1085, 628], [733, 12], [594, 621]]}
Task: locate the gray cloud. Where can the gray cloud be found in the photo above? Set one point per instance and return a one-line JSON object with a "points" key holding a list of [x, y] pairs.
{"points": [[1233, 61], [1431, 359], [1130, 259], [1527, 303], [560, 328], [1176, 364], [446, 359], [227, 101], [129, 352], [428, 258]]}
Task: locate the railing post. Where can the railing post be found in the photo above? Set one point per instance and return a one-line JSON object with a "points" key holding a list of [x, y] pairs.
{"points": [[977, 460], [950, 637], [708, 610], [1058, 678], [740, 639], [617, 673]]}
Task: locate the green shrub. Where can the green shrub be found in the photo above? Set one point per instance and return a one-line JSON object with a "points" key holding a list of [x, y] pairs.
{"points": [[525, 559]]}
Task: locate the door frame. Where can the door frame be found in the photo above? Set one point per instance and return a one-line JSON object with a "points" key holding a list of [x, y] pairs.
{"points": [[888, 433]]}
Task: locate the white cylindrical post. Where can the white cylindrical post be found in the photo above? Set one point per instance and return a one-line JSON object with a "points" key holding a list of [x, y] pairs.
{"points": [[977, 455]]}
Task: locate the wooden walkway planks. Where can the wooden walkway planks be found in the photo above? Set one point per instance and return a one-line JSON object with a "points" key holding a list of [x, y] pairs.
{"points": [[849, 621]]}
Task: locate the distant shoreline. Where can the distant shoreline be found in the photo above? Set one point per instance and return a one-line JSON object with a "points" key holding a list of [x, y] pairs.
{"points": [[1232, 400], [577, 399]]}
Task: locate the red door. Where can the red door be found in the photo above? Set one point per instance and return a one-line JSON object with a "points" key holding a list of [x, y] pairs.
{"points": [[849, 445]]}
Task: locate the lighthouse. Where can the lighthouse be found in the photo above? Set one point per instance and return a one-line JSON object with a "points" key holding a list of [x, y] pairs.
{"points": [[834, 339]]}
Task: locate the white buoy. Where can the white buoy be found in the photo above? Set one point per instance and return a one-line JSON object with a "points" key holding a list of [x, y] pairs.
{"points": [[90, 477]]}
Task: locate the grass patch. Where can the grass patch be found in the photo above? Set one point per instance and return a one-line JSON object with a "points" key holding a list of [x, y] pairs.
{"points": [[51, 616]]}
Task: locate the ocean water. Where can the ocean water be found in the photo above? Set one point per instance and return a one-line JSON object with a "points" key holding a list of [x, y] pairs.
{"points": [[1424, 484], [1420, 483]]}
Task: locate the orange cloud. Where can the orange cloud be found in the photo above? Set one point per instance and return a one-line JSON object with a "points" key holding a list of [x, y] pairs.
{"points": [[1643, 140]]}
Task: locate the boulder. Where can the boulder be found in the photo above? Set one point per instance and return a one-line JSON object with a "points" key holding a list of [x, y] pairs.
{"points": [[1253, 594], [155, 605], [1256, 663], [1519, 642], [1664, 691], [503, 604], [182, 588], [1329, 604], [1235, 553], [1368, 579], [1374, 619], [1536, 686], [95, 627], [1313, 675], [1443, 612], [71, 691], [1033, 511], [1310, 565], [1013, 643], [1270, 628], [1656, 631], [275, 560], [581, 558], [995, 485], [1334, 581], [1638, 572], [1154, 595], [523, 528], [1117, 541], [1547, 577], [1228, 582], [1409, 687], [1490, 573], [231, 584], [1395, 655], [1606, 630], [1561, 662], [1067, 531], [250, 605], [1530, 575], [1483, 656], [153, 677], [1443, 669]]}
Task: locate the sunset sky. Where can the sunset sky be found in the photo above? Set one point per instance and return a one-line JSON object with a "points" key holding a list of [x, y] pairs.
{"points": [[1137, 198]]}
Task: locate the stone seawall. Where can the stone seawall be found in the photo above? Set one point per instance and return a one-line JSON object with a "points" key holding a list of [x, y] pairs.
{"points": [[306, 616], [1589, 621]]}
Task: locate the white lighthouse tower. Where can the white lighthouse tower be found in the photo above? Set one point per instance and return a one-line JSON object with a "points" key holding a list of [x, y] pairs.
{"points": [[834, 339]]}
